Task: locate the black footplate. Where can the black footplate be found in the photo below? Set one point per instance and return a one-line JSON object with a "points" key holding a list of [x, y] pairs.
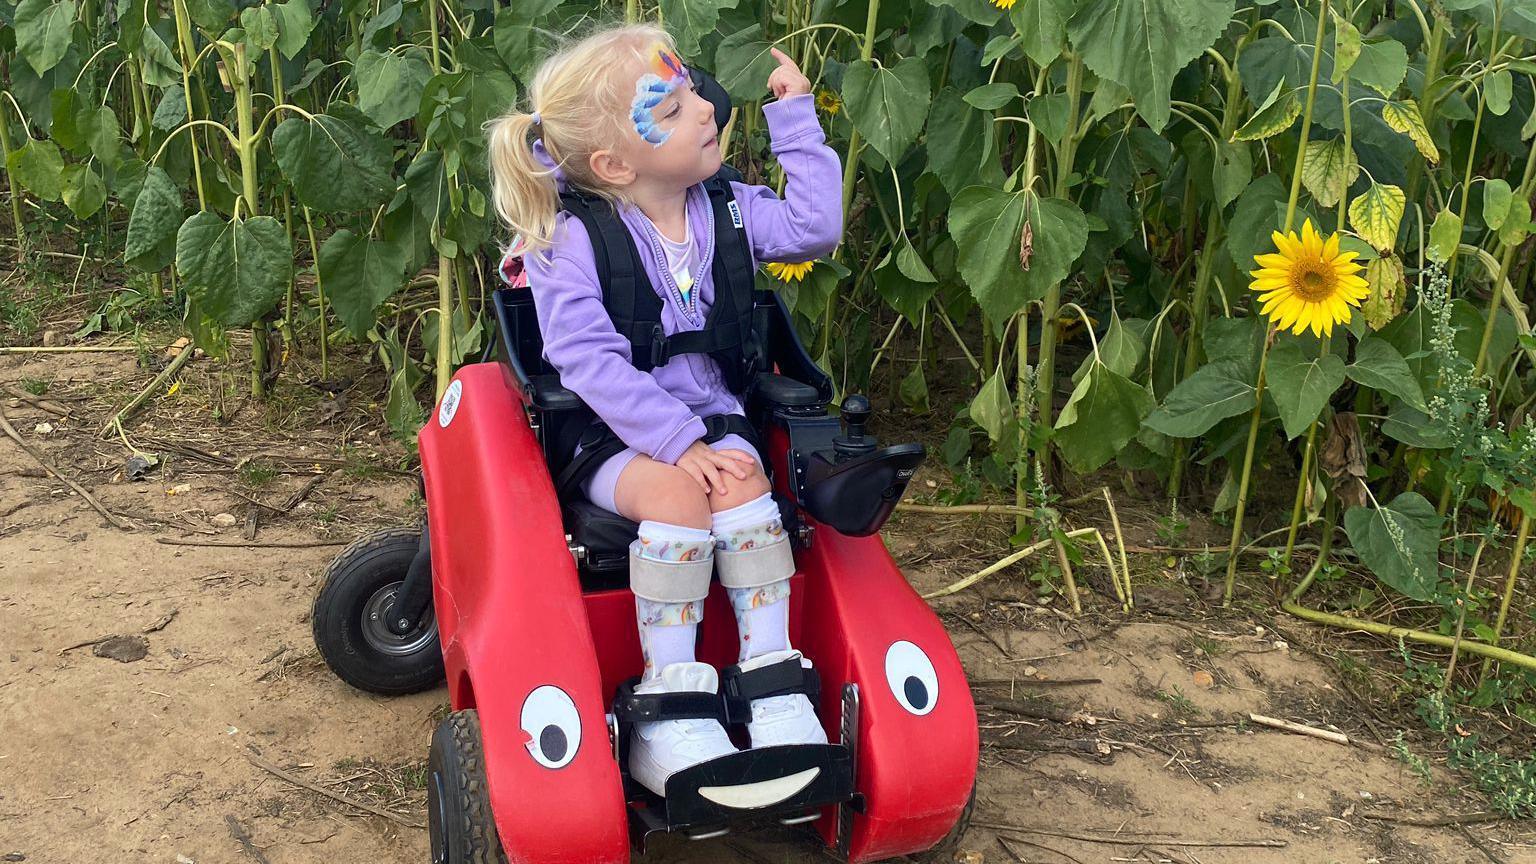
{"points": [[769, 782]]}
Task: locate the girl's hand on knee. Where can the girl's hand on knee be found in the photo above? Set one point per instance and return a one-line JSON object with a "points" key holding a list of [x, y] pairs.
{"points": [[709, 467]]}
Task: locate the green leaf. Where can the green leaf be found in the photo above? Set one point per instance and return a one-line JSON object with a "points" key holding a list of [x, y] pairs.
{"points": [[1232, 171], [1276, 115], [1388, 291], [171, 110], [1376, 215], [743, 63], [887, 105], [1050, 114], [102, 134], [1102, 416], [38, 166], [82, 190], [1444, 236], [1517, 224], [905, 295], [1497, 198], [1399, 543], [1405, 117], [1142, 44], [1329, 169], [991, 408], [914, 389], [1121, 350], [260, 27], [988, 224], [1382, 65], [953, 130], [42, 32], [1379, 366], [359, 273], [1499, 91], [1301, 385], [294, 24], [911, 264], [333, 162], [157, 214], [64, 105], [990, 97], [1254, 219], [1218, 390], [211, 14], [689, 20], [1346, 47], [389, 85], [1042, 25], [237, 271]]}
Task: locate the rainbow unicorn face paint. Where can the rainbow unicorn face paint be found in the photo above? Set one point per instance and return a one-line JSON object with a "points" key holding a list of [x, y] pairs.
{"points": [[666, 75]]}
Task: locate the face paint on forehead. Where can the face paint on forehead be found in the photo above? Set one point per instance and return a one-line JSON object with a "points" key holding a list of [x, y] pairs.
{"points": [[664, 76]]}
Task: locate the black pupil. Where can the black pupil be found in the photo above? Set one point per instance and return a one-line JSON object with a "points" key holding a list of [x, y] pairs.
{"points": [[917, 693], [552, 743]]}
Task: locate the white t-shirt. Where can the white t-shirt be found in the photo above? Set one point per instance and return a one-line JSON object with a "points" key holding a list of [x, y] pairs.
{"points": [[681, 258]]}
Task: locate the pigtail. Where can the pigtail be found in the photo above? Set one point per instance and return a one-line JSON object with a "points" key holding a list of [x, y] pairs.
{"points": [[523, 188]]}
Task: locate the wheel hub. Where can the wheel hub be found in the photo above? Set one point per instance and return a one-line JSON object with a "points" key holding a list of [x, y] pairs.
{"points": [[377, 632]]}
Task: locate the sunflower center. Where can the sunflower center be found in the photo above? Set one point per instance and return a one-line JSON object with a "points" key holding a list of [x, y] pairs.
{"points": [[1314, 281]]}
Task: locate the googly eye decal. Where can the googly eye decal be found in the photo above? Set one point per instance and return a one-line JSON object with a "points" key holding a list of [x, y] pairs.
{"points": [[553, 726], [910, 674]]}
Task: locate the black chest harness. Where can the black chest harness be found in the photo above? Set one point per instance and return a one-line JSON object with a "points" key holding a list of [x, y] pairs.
{"points": [[728, 335]]}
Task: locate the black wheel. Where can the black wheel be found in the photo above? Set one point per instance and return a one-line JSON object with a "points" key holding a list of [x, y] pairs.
{"points": [[459, 821], [944, 850], [349, 619]]}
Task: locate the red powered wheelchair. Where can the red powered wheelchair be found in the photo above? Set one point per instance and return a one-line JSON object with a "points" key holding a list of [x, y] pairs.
{"points": [[519, 597]]}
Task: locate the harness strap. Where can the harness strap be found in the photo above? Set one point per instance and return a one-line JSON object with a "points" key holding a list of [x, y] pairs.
{"points": [[632, 707]]}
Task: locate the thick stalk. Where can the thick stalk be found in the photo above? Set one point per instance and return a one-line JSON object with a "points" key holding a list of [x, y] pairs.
{"points": [[141, 124], [188, 48], [325, 330], [14, 188], [1330, 525], [1477, 126], [245, 134], [1258, 389], [1461, 615], [1516, 558], [1045, 382], [1021, 360], [850, 174], [1302, 482], [1503, 655], [437, 51], [445, 268]]}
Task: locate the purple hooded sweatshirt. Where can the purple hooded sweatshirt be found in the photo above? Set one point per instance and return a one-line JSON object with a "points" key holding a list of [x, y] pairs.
{"points": [[658, 412]]}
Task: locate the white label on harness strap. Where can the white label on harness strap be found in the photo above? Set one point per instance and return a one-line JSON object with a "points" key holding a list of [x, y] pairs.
{"points": [[450, 404], [735, 213]]}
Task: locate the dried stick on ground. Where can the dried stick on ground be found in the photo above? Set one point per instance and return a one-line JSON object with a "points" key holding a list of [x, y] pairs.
{"points": [[48, 405], [10, 431], [165, 375], [237, 831], [1300, 729], [279, 773], [67, 349], [1125, 839], [242, 544]]}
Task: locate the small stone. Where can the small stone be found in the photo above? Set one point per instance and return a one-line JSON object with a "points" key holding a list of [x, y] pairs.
{"points": [[15, 856], [1030, 672], [176, 347], [223, 520], [1203, 679], [179, 489], [970, 856], [50, 338], [123, 649], [43, 428], [182, 859]]}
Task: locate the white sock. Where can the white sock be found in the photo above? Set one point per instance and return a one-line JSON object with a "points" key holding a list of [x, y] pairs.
{"points": [[669, 631], [762, 613]]}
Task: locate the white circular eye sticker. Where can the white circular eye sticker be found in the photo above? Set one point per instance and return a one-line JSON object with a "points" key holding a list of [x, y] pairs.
{"points": [[910, 674], [450, 404], [553, 726]]}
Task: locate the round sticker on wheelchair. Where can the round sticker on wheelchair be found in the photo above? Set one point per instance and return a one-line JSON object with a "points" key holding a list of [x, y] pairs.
{"points": [[450, 403]]}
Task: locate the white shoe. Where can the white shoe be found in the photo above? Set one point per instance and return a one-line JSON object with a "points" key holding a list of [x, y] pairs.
{"points": [[788, 719], [660, 749]]}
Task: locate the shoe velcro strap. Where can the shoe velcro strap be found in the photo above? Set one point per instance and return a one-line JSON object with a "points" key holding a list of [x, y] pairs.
{"points": [[778, 679], [650, 707]]}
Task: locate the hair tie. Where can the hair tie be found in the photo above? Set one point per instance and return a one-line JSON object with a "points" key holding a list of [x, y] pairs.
{"points": [[538, 119], [541, 154]]}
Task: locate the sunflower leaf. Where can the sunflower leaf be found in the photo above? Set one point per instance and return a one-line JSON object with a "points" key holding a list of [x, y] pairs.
{"points": [[1103, 415], [1218, 390], [1375, 216], [1329, 169], [1385, 278], [1301, 385], [1497, 196], [1276, 115], [1379, 366], [1444, 236], [1404, 117], [1398, 543]]}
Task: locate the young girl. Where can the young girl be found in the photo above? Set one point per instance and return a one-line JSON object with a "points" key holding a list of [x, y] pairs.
{"points": [[617, 115]]}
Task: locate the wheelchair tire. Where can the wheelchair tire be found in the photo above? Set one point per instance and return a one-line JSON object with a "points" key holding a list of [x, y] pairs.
{"points": [[945, 849], [348, 620], [460, 826]]}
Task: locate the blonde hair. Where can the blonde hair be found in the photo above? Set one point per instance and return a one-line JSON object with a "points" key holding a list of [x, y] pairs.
{"points": [[583, 103]]}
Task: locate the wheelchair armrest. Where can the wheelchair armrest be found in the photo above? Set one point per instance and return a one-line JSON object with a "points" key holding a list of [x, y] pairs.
{"points": [[857, 495]]}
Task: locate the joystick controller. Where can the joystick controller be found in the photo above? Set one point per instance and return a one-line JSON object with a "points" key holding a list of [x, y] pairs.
{"points": [[856, 411]]}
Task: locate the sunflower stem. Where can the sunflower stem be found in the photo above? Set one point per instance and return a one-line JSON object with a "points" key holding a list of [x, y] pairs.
{"points": [[1258, 387]]}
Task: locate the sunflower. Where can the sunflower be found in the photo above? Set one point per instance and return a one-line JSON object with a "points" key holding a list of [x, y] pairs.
{"points": [[1308, 282], [789, 272], [828, 102], [1004, 4]]}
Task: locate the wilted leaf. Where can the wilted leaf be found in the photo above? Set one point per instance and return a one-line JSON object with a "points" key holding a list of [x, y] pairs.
{"points": [[1404, 117], [1342, 458], [1329, 169], [991, 408], [1276, 115], [1375, 216], [1388, 290], [1444, 236]]}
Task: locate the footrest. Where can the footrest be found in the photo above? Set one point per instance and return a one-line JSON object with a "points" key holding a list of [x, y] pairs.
{"points": [[767, 781], [738, 689]]}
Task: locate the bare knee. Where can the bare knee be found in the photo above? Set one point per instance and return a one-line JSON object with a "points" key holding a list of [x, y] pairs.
{"points": [[738, 492], [662, 493]]}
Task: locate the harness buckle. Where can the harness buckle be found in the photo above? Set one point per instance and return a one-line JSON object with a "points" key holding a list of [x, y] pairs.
{"points": [[660, 348]]}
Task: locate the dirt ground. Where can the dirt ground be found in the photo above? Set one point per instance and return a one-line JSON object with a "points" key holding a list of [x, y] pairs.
{"points": [[1105, 738]]}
